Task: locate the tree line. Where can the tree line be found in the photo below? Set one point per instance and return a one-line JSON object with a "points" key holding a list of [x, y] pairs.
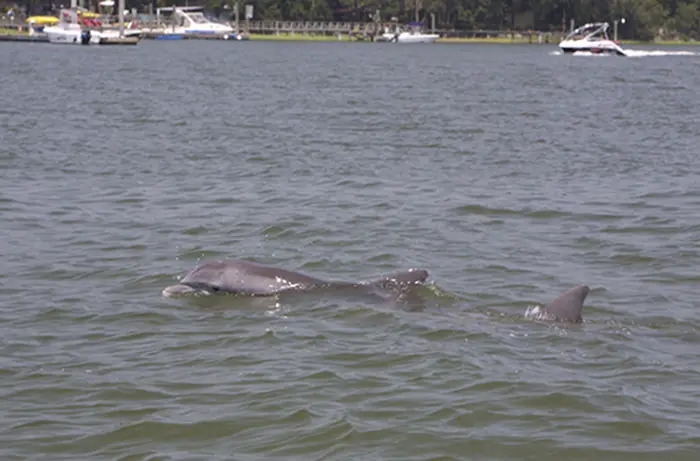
{"points": [[644, 19]]}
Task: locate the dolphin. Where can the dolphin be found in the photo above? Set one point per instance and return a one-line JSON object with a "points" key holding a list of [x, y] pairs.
{"points": [[248, 278], [566, 307]]}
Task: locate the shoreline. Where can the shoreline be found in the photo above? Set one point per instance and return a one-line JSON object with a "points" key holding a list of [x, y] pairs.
{"points": [[14, 35], [299, 37]]}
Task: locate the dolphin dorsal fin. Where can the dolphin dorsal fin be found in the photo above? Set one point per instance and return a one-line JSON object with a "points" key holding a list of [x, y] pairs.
{"points": [[567, 306]]}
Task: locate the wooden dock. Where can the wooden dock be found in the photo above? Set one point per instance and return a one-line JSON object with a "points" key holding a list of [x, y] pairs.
{"points": [[120, 41], [37, 38], [43, 38]]}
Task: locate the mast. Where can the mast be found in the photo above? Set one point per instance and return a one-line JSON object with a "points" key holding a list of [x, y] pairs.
{"points": [[121, 18]]}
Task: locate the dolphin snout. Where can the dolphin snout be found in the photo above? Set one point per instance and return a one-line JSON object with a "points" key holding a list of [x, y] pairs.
{"points": [[175, 290]]}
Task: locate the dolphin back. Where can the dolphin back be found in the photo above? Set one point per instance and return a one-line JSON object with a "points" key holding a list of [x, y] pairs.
{"points": [[248, 278], [402, 279]]}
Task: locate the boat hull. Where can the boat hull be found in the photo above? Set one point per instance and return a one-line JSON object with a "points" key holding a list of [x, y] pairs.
{"points": [[599, 47], [410, 38], [62, 36]]}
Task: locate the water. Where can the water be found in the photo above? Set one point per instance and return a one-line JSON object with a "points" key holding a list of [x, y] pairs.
{"points": [[509, 172]]}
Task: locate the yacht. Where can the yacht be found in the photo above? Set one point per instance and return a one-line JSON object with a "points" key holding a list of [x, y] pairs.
{"points": [[190, 20]]}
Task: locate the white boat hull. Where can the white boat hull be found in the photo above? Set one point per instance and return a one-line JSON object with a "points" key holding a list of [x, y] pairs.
{"points": [[596, 47], [223, 32], [114, 33], [71, 36], [407, 37]]}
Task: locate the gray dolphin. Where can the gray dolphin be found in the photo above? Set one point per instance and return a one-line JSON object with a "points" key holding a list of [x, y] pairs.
{"points": [[566, 307], [248, 278]]}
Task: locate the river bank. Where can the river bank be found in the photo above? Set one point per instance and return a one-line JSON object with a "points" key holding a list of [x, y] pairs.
{"points": [[7, 34]]}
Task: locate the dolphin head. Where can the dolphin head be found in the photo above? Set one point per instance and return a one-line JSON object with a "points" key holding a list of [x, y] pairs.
{"points": [[181, 289], [208, 278]]}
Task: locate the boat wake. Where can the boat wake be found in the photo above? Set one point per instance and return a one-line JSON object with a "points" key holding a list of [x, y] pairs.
{"points": [[645, 53], [630, 53], [590, 53]]}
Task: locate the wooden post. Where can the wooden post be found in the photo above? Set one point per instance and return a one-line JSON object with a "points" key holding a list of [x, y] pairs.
{"points": [[238, 29], [121, 18]]}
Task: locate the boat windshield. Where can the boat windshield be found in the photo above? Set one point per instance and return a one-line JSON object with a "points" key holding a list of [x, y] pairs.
{"points": [[595, 31], [198, 18]]}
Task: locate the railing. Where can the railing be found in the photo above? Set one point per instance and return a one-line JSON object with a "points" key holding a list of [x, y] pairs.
{"points": [[309, 27]]}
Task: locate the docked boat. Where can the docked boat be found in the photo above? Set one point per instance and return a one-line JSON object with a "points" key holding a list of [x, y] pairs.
{"points": [[414, 34], [188, 21], [70, 31], [77, 27], [110, 32], [592, 38]]}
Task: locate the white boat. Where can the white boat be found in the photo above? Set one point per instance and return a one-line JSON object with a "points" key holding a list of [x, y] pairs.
{"points": [[113, 33], [414, 34], [69, 30], [190, 20], [591, 38], [110, 31]]}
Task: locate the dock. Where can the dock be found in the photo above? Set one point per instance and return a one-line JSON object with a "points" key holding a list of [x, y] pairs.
{"points": [[37, 38], [120, 41]]}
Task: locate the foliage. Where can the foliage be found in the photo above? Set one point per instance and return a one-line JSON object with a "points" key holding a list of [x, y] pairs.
{"points": [[644, 19]]}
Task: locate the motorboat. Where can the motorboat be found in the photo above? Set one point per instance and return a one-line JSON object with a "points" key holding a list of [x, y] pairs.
{"points": [[592, 38], [414, 34], [77, 27], [69, 30], [190, 20]]}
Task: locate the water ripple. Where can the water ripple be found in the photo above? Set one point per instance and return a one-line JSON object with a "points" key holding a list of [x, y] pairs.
{"points": [[306, 156]]}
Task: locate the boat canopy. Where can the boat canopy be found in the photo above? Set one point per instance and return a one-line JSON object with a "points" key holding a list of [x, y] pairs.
{"points": [[591, 31]]}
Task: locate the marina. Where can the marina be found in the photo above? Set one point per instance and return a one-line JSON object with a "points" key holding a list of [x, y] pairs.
{"points": [[191, 23]]}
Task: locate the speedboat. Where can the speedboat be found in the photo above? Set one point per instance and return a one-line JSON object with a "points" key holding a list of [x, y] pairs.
{"points": [[190, 20], [413, 35], [591, 38], [70, 31]]}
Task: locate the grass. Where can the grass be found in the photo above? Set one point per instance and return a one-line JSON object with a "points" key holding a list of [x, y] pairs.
{"points": [[555, 41], [659, 42], [297, 37], [5, 31], [504, 40], [301, 37]]}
